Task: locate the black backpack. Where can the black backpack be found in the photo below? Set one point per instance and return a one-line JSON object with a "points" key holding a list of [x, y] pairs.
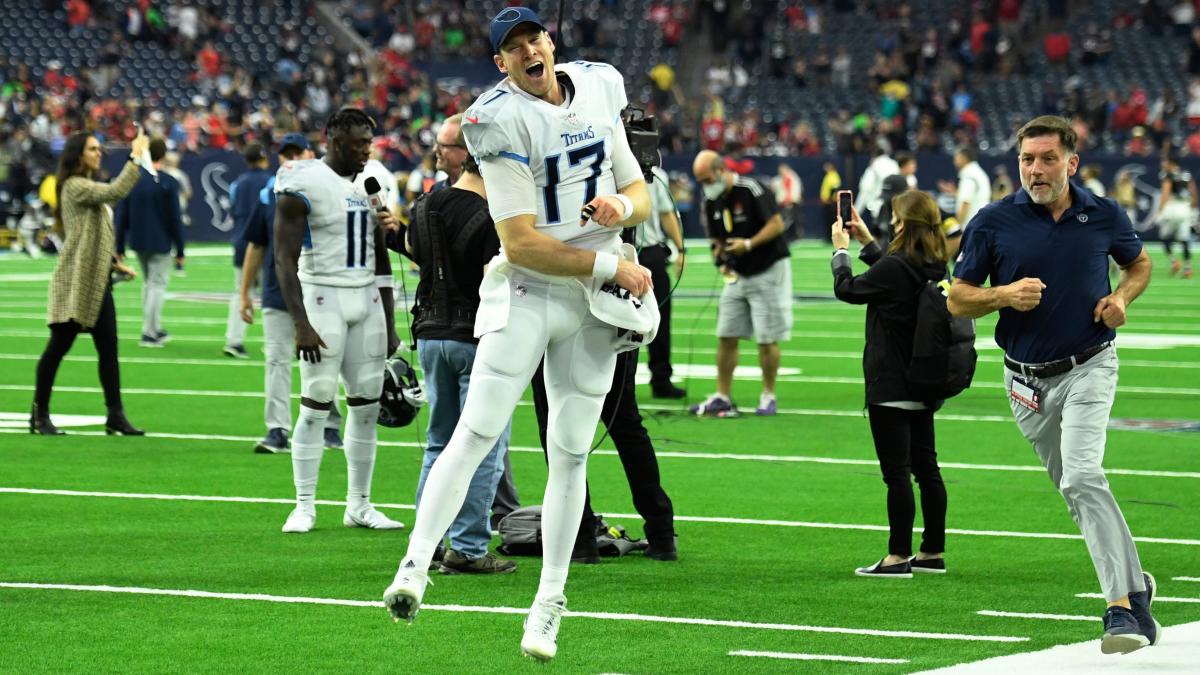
{"points": [[521, 534], [943, 358]]}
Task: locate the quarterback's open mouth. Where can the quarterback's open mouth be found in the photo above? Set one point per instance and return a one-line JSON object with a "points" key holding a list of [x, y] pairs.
{"points": [[536, 70]]}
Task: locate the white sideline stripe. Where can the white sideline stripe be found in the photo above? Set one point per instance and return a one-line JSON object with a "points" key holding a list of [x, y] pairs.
{"points": [[172, 320], [612, 616], [174, 336], [1185, 578], [255, 363], [648, 406], [1037, 615], [1157, 598], [815, 657], [673, 454], [691, 519]]}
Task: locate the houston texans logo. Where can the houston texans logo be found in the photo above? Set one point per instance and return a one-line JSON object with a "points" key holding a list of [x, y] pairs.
{"points": [[320, 300]]}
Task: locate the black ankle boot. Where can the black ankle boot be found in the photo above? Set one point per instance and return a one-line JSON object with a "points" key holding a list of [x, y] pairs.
{"points": [[118, 424], [39, 423]]}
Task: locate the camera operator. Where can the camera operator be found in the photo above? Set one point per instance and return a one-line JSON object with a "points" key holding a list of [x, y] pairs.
{"points": [[901, 426], [744, 225]]}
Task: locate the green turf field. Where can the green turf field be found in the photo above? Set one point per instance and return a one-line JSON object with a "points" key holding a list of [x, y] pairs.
{"points": [[773, 514]]}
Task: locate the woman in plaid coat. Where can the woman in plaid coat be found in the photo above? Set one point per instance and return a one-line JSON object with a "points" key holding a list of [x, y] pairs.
{"points": [[81, 290]]}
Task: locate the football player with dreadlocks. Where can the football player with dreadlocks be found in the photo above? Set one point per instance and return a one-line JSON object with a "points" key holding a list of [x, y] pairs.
{"points": [[330, 238]]}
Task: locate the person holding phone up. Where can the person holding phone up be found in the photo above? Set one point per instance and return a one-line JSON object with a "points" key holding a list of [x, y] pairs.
{"points": [[81, 287], [901, 425]]}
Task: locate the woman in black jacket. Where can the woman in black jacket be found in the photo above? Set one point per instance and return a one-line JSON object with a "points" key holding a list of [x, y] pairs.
{"points": [[901, 425]]}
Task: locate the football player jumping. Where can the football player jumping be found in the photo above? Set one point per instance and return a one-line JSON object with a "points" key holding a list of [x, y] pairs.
{"points": [[343, 314], [561, 180]]}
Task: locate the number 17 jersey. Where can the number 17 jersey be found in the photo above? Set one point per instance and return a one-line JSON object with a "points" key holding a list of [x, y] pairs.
{"points": [[568, 149], [339, 232]]}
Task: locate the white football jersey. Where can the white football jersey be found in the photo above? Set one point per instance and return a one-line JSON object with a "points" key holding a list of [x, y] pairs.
{"points": [[568, 149], [339, 235]]}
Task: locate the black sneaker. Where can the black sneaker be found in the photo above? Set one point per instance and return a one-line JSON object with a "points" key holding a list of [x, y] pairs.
{"points": [[663, 550], [586, 552], [163, 336], [1122, 634], [901, 570], [666, 390], [236, 351], [1140, 602], [457, 563], [928, 566], [275, 442]]}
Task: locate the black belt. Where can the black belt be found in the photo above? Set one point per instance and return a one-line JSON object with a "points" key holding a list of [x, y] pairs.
{"points": [[1053, 368]]}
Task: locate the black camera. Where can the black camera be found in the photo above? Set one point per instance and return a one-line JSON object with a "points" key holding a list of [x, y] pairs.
{"points": [[641, 130]]}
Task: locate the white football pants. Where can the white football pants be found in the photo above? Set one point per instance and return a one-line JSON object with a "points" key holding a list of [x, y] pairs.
{"points": [[279, 348], [545, 318]]}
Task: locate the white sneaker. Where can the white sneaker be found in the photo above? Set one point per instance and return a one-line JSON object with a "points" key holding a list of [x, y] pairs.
{"points": [[368, 517], [403, 598], [541, 629], [301, 520]]}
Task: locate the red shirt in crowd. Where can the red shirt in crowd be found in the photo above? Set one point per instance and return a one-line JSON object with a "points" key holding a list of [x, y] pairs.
{"points": [[78, 12]]}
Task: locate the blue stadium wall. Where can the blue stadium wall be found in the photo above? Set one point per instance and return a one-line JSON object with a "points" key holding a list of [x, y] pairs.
{"points": [[212, 172]]}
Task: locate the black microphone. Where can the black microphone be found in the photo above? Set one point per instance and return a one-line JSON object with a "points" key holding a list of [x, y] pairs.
{"points": [[374, 194]]}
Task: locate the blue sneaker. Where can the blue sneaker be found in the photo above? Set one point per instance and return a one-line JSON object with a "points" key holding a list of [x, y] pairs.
{"points": [[766, 406], [715, 406], [1140, 602], [274, 443], [333, 440], [1121, 632]]}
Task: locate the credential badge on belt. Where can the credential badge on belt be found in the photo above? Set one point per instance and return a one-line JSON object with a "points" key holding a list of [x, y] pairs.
{"points": [[1026, 395]]}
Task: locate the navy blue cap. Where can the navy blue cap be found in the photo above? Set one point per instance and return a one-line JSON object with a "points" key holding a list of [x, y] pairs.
{"points": [[297, 139], [508, 19]]}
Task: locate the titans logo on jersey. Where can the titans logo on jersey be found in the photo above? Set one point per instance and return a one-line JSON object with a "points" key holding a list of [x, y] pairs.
{"points": [[568, 149], [339, 241]]}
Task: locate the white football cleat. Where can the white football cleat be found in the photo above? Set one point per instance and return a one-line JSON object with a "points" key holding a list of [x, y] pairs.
{"points": [[541, 629], [403, 598], [368, 517], [301, 520]]}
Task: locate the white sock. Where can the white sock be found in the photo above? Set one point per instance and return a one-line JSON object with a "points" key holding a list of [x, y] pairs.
{"points": [[360, 441], [562, 509], [308, 444]]}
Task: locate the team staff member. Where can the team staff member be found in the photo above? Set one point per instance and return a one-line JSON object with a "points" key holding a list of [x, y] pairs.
{"points": [[149, 220], [1046, 249], [452, 238], [973, 192], [756, 303], [901, 425], [244, 194], [80, 289], [1175, 208], [653, 254], [279, 335]]}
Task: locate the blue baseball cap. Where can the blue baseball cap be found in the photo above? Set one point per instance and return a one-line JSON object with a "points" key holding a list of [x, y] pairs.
{"points": [[297, 139], [508, 19]]}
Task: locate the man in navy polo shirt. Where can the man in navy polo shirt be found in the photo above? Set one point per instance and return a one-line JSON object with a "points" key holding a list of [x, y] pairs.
{"points": [[278, 331], [1046, 249]]}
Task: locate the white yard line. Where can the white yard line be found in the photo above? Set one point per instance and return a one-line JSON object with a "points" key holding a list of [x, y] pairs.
{"points": [[611, 616], [723, 520], [1185, 579], [19, 421], [814, 657], [1157, 598], [1036, 615], [1177, 652]]}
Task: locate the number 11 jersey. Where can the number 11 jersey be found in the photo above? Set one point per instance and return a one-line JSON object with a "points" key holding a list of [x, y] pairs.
{"points": [[339, 232]]}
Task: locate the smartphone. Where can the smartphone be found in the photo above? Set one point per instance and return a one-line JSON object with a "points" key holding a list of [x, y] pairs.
{"points": [[844, 199]]}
